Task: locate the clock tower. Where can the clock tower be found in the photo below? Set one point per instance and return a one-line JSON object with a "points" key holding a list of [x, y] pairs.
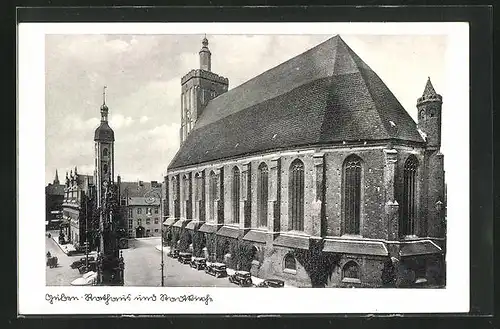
{"points": [[110, 263], [198, 87]]}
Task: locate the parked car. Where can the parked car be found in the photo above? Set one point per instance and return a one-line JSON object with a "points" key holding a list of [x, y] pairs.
{"points": [[216, 269], [78, 263], [88, 279], [92, 266], [174, 253], [185, 257], [199, 263], [271, 283], [241, 278]]}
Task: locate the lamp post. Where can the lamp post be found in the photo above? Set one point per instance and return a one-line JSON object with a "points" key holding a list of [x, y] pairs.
{"points": [[150, 199]]}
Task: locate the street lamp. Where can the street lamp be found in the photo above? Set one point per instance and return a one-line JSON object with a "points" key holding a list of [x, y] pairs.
{"points": [[150, 198]]}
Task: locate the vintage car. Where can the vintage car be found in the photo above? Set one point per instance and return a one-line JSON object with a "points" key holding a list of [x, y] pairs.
{"points": [[271, 283], [241, 278], [174, 253], [78, 263], [52, 262], [216, 269], [91, 267], [185, 257], [88, 279], [199, 263]]}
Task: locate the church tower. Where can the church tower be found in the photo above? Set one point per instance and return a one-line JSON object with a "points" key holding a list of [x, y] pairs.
{"points": [[429, 115], [104, 139], [198, 87]]}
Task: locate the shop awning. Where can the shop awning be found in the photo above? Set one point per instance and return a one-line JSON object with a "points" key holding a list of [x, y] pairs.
{"points": [[255, 236], [422, 247], [208, 228], [230, 232], [169, 221], [194, 225], [181, 223], [292, 241], [372, 248]]}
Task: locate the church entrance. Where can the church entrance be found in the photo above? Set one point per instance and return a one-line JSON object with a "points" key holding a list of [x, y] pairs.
{"points": [[139, 232]]}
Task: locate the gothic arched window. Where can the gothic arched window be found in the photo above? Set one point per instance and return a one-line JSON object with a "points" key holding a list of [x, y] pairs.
{"points": [[105, 152], [296, 195], [290, 263], [408, 207], [351, 271], [187, 195], [212, 193], [236, 195], [262, 193], [352, 194]]}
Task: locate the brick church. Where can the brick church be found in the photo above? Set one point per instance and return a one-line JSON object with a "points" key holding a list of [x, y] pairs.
{"points": [[311, 172]]}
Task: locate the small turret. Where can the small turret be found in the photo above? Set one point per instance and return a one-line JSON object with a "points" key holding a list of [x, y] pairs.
{"points": [[429, 115], [205, 56]]}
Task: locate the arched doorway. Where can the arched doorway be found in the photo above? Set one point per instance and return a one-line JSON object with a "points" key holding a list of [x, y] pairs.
{"points": [[139, 232]]}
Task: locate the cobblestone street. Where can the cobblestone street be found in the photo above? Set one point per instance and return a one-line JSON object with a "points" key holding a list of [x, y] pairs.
{"points": [[142, 268]]}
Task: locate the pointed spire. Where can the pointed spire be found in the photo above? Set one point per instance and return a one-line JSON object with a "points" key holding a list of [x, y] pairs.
{"points": [[429, 89], [56, 179], [104, 107], [76, 171]]}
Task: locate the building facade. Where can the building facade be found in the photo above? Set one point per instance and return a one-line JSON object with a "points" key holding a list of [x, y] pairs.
{"points": [[140, 208], [314, 173], [77, 207], [54, 196]]}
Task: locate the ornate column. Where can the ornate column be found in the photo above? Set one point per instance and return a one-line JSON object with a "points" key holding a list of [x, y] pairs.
{"points": [[317, 208]]}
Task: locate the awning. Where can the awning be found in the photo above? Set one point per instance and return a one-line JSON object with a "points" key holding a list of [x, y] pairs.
{"points": [[169, 221], [194, 225], [373, 248], [181, 223], [422, 247], [292, 241], [230, 232], [255, 236], [208, 228]]}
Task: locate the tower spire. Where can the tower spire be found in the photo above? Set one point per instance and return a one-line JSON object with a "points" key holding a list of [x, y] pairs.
{"points": [[104, 107], [56, 179], [205, 55], [429, 89]]}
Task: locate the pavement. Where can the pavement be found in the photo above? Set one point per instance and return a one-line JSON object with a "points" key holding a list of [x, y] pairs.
{"points": [[63, 274]]}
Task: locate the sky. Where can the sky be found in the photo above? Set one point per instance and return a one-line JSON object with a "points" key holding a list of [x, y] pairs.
{"points": [[143, 72]]}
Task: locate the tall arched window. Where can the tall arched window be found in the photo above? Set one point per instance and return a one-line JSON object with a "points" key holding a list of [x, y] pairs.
{"points": [[408, 207], [105, 152], [352, 194], [296, 195], [212, 193], [262, 193], [187, 196], [236, 195]]}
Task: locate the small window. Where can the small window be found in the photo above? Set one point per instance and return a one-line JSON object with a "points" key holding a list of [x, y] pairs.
{"points": [[130, 224], [105, 152], [130, 213], [156, 230], [156, 210], [139, 222], [148, 211], [290, 263], [139, 211], [350, 272], [156, 220], [123, 202], [148, 221]]}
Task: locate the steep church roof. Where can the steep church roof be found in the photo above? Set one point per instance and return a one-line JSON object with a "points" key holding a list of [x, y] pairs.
{"points": [[324, 95]]}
